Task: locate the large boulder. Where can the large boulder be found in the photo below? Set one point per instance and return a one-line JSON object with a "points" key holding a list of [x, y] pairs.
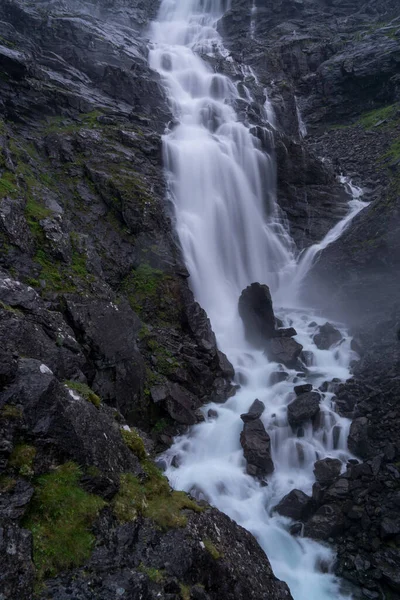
{"points": [[257, 313], [255, 411], [327, 522], [303, 408], [327, 336], [295, 505], [326, 470], [284, 350], [256, 446], [180, 404]]}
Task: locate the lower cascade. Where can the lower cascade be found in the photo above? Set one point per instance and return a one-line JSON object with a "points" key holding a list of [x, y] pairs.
{"points": [[232, 235]]}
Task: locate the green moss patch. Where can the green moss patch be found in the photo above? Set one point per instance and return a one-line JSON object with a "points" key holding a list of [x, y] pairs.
{"points": [[374, 117], [10, 412], [134, 443], [212, 549], [22, 458], [152, 498], [60, 517], [84, 391], [153, 574], [7, 484]]}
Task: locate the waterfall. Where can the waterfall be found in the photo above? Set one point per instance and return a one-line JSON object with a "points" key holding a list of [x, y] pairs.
{"points": [[223, 188]]}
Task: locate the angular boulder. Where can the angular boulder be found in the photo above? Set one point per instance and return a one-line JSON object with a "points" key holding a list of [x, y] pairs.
{"points": [[296, 505], [327, 522], [284, 350], [303, 408], [257, 313], [255, 411], [179, 403], [327, 336], [302, 389], [327, 470], [277, 377], [256, 446]]}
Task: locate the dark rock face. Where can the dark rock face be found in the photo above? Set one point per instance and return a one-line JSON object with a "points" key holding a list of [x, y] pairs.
{"points": [[256, 448], [17, 573], [295, 505], [326, 470], [182, 558], [257, 313], [255, 411], [284, 350], [303, 408], [327, 336]]}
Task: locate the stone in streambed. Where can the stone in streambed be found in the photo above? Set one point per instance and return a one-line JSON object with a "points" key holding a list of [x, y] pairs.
{"points": [[255, 411], [327, 336], [284, 350], [296, 505], [303, 408], [285, 332], [277, 377], [302, 389], [257, 313], [256, 446]]}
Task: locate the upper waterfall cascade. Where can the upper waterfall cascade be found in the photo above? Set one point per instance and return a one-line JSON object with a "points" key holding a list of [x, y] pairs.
{"points": [[222, 185]]}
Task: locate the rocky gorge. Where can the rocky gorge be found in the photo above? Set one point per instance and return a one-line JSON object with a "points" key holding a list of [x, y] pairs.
{"points": [[105, 355]]}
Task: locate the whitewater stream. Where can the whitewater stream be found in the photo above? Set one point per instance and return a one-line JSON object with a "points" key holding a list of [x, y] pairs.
{"points": [[223, 188]]}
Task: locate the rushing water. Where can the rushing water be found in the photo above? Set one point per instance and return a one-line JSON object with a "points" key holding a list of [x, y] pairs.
{"points": [[223, 188]]}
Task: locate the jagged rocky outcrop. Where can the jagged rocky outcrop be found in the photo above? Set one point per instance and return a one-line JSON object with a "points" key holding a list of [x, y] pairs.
{"points": [[97, 322]]}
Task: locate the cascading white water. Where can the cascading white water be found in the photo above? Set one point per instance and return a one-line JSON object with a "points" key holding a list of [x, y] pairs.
{"points": [[222, 185]]}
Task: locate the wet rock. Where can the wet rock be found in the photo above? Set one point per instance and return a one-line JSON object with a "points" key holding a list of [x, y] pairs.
{"points": [[327, 522], [358, 440], [327, 336], [16, 567], [302, 389], [285, 332], [303, 408], [257, 314], [180, 404], [296, 505], [256, 446], [14, 503], [278, 376], [387, 561], [212, 414], [326, 470], [255, 411], [307, 358], [284, 350]]}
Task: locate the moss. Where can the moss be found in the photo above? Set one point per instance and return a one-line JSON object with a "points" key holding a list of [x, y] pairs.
{"points": [[160, 426], [152, 498], [211, 549], [60, 516], [9, 308], [185, 591], [53, 274], [8, 185], [166, 362], [153, 574], [22, 458], [373, 117], [85, 391], [10, 412], [142, 285], [134, 443], [7, 484]]}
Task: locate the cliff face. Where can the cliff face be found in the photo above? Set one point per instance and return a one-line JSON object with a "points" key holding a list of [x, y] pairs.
{"points": [[98, 326], [99, 331]]}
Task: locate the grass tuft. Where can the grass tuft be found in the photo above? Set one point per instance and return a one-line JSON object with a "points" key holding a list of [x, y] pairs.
{"points": [[134, 443], [60, 517], [85, 391]]}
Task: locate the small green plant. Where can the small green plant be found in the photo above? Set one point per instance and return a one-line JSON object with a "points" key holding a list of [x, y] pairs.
{"points": [[84, 391], [160, 426], [7, 484], [10, 412], [185, 591], [22, 458], [211, 549], [152, 498], [134, 443], [153, 574], [60, 517]]}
